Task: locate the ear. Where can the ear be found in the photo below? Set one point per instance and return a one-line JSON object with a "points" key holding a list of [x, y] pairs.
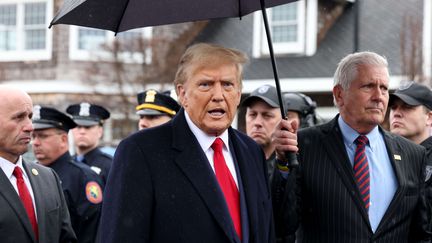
{"points": [[338, 95], [239, 93], [180, 90], [429, 119], [100, 130], [64, 138]]}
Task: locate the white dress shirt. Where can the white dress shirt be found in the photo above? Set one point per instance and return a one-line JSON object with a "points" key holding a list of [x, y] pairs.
{"points": [[8, 168], [206, 141]]}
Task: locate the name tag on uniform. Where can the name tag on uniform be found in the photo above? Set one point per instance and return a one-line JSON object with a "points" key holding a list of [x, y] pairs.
{"points": [[397, 157], [96, 169]]}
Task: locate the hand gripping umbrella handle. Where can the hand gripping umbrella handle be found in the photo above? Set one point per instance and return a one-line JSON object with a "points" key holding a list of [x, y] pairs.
{"points": [[290, 156]]}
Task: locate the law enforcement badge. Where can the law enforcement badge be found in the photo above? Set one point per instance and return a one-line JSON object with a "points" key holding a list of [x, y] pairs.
{"points": [[93, 192], [84, 109], [36, 112], [150, 96], [428, 172]]}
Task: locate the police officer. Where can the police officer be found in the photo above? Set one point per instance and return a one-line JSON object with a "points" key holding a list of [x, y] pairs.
{"points": [[89, 119], [81, 186], [411, 117], [300, 107], [155, 108], [262, 116]]}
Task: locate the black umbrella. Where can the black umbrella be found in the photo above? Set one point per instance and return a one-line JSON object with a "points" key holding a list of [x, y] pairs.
{"points": [[122, 15]]}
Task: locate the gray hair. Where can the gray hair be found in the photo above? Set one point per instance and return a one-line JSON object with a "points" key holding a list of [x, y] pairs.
{"points": [[346, 71]]}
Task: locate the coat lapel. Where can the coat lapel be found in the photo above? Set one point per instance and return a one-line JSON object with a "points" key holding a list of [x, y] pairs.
{"points": [[9, 193], [333, 143], [37, 186], [249, 182], [194, 164]]}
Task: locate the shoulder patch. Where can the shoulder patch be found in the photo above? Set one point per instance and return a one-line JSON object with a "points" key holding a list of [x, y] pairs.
{"points": [[93, 192]]}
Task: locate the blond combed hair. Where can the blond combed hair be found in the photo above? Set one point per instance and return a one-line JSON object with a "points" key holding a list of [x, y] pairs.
{"points": [[204, 55]]}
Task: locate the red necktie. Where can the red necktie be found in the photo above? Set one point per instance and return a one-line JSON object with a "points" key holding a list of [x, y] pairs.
{"points": [[227, 184], [26, 199], [361, 169]]}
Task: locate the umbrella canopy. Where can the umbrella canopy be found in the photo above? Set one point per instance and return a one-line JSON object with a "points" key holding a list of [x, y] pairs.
{"points": [[122, 15]]}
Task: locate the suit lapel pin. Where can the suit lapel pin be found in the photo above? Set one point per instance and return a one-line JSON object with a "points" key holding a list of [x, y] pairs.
{"points": [[397, 157], [34, 172]]}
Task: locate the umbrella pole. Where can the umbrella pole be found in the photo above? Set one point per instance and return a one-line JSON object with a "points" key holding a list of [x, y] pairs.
{"points": [[290, 156]]}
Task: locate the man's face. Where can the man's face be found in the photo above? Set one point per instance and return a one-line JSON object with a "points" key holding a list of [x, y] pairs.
{"points": [[363, 105], [49, 144], [16, 110], [147, 121], [409, 121], [210, 97], [261, 120], [87, 137]]}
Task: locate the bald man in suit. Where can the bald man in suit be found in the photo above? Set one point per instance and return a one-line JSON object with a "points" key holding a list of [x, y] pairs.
{"points": [[42, 215]]}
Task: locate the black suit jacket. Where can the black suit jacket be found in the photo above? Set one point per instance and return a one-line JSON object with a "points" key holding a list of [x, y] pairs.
{"points": [[52, 213], [328, 203], [162, 189]]}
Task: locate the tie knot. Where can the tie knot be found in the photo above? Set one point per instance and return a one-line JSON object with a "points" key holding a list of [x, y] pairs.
{"points": [[361, 140], [18, 172], [217, 145]]}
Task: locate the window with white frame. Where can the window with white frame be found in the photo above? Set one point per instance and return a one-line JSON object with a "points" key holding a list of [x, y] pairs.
{"points": [[89, 44], [293, 29], [23, 30]]}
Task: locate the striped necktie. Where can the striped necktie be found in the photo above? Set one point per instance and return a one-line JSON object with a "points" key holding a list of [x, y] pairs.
{"points": [[361, 169]]}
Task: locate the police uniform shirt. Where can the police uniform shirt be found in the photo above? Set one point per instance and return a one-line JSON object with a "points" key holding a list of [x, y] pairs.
{"points": [[99, 162], [83, 193]]}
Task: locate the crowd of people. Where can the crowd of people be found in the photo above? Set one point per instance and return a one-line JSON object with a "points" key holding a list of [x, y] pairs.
{"points": [[194, 178]]}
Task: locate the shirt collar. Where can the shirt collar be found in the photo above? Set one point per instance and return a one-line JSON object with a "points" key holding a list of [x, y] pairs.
{"points": [[8, 167], [350, 135], [204, 140]]}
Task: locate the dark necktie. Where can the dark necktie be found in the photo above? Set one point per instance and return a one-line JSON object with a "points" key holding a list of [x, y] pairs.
{"points": [[361, 169], [227, 184], [26, 199]]}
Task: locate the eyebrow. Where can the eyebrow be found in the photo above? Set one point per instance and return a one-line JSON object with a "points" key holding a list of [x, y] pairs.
{"points": [[21, 113]]}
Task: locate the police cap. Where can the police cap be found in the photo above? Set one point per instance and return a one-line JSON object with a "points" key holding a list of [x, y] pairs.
{"points": [[152, 102], [46, 117], [86, 114], [413, 94], [267, 93]]}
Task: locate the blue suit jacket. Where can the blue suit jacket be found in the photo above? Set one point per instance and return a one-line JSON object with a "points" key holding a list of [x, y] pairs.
{"points": [[162, 189]]}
